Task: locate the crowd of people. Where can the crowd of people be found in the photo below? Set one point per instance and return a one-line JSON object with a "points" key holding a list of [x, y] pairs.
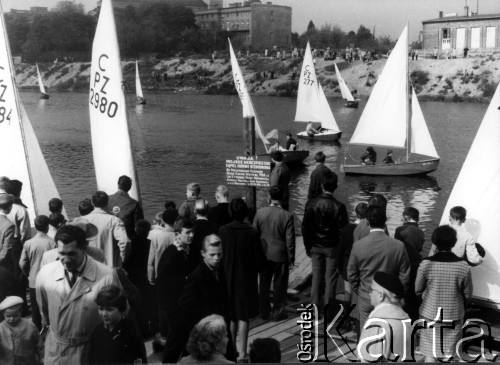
{"points": [[100, 284]]}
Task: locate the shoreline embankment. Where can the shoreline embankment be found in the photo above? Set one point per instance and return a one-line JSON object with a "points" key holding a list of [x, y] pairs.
{"points": [[472, 79]]}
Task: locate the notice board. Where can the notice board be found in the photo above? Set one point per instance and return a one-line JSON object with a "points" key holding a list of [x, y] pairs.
{"points": [[248, 171]]}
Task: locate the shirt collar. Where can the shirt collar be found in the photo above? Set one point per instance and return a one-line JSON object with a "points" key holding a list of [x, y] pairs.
{"points": [[377, 230]]}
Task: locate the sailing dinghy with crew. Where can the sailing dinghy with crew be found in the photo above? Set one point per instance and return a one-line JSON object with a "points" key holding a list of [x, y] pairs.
{"points": [[43, 93], [289, 157], [312, 105], [391, 123], [344, 90]]}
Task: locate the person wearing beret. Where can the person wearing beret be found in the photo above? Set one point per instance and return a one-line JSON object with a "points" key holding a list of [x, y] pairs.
{"points": [[20, 343], [385, 320]]}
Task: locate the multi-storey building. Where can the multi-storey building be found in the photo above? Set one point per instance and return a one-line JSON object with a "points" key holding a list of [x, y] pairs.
{"points": [[259, 25], [452, 31]]}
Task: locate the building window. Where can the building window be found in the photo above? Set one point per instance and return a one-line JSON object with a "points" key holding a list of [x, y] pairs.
{"points": [[491, 34], [446, 38], [475, 37], [460, 41]]}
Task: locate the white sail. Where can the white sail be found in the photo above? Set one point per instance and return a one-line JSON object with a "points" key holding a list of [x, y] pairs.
{"points": [[138, 87], [308, 99], [111, 144], [477, 189], [246, 101], [40, 82], [344, 90], [328, 121], [383, 121], [421, 141], [22, 157]]}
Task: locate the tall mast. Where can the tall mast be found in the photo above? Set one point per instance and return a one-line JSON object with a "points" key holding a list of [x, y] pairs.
{"points": [[408, 95]]}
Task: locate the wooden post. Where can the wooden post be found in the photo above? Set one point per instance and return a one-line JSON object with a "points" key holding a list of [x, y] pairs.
{"points": [[249, 143]]}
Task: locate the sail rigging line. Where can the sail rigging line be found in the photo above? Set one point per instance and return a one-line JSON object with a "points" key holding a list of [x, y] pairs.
{"points": [[408, 96], [127, 87], [19, 112]]}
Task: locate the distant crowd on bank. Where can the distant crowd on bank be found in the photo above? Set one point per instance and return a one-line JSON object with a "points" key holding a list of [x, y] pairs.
{"points": [[102, 283]]}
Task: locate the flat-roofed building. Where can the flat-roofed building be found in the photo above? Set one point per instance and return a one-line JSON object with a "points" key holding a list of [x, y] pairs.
{"points": [[259, 25], [452, 31]]}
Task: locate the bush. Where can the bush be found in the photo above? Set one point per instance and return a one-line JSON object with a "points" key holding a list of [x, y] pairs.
{"points": [[64, 71], [488, 89], [287, 88], [224, 88], [81, 82], [66, 85], [84, 66]]}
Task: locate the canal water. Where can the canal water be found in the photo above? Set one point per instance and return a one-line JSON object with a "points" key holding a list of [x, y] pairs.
{"points": [[179, 138]]}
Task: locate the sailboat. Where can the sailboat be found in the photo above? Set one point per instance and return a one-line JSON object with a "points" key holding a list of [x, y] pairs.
{"points": [[43, 93], [390, 121], [138, 87], [344, 90], [22, 157], [289, 157], [477, 189], [312, 105], [109, 126]]}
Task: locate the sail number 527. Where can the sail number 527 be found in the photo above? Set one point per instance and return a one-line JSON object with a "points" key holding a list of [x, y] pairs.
{"points": [[101, 103]]}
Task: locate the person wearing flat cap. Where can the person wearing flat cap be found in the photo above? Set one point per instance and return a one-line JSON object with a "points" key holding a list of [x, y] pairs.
{"points": [[65, 291], [382, 337], [20, 341]]}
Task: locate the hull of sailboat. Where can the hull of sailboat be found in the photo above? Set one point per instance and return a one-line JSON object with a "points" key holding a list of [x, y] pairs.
{"points": [[141, 101], [352, 104], [411, 168], [323, 136], [44, 96]]}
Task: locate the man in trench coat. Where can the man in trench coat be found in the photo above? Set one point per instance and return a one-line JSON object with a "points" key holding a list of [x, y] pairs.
{"points": [[66, 290]]}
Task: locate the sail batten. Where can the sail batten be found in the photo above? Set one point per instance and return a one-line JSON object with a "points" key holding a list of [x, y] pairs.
{"points": [[111, 144], [477, 189], [22, 157], [383, 120], [246, 101]]}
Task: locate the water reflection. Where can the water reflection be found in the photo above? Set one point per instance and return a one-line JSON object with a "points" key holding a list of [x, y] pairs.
{"points": [[401, 192]]}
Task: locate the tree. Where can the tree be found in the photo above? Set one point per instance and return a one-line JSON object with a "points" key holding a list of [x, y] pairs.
{"points": [[68, 7], [311, 26], [295, 39], [17, 29]]}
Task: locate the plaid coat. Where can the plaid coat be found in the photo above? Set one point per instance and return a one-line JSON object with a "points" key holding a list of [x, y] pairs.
{"points": [[444, 280]]}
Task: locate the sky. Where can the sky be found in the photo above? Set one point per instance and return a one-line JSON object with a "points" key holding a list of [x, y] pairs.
{"points": [[387, 16]]}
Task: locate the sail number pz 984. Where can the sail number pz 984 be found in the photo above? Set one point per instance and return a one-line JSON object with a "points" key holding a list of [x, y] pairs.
{"points": [[98, 92], [4, 112]]}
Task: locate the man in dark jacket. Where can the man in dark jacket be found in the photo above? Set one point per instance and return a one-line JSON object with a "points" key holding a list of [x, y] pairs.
{"points": [[202, 228], [280, 176], [171, 277], [205, 292], [413, 238], [324, 219], [277, 235], [318, 175], [124, 207], [219, 215]]}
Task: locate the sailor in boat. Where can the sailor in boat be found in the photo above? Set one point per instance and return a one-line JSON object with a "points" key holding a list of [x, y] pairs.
{"points": [[388, 158], [291, 144], [369, 157], [310, 130]]}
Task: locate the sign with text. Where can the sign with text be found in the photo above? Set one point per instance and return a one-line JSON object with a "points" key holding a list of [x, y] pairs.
{"points": [[248, 171]]}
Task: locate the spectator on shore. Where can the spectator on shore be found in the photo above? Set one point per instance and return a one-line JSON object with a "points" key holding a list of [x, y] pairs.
{"points": [[443, 281], [318, 175], [265, 351], [20, 342], [207, 342], [85, 207], [31, 261], [280, 176], [219, 215], [186, 210], [55, 205]]}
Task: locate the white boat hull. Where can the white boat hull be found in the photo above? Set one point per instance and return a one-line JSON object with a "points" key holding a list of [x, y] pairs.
{"points": [[322, 136], [411, 168]]}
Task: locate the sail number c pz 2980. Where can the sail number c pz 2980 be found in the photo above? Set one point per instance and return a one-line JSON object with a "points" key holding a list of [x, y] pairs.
{"points": [[98, 92]]}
